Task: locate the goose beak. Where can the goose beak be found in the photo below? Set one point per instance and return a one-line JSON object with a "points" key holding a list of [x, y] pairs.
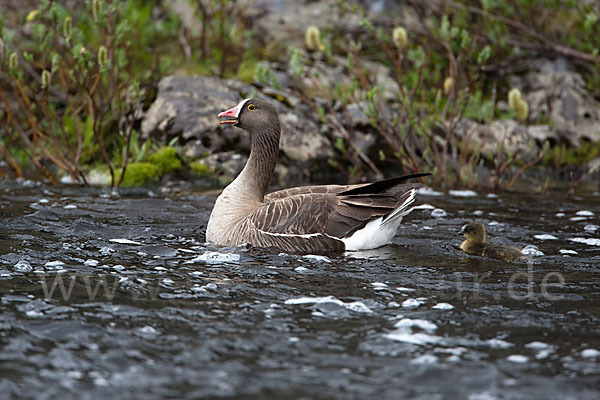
{"points": [[230, 115], [462, 230]]}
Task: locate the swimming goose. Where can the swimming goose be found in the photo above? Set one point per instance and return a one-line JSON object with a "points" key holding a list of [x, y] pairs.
{"points": [[476, 244], [308, 219]]}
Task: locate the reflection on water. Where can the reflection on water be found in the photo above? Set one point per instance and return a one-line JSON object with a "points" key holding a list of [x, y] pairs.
{"points": [[108, 295]]}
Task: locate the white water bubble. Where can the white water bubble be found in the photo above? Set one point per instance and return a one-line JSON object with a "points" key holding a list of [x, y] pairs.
{"points": [[412, 303], [590, 353], [478, 212], [214, 257], [443, 306], [559, 214], [53, 264], [531, 250], [125, 241], [316, 258], [588, 241], [517, 358], [70, 206], [439, 213], [91, 263], [355, 306], [584, 213], [591, 228], [545, 236], [23, 266], [379, 285], [462, 193], [567, 252]]}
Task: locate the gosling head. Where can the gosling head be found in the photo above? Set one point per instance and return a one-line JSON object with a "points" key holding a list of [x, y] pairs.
{"points": [[474, 231]]}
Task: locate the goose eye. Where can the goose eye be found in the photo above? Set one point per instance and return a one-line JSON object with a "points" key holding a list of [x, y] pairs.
{"points": [[251, 107]]}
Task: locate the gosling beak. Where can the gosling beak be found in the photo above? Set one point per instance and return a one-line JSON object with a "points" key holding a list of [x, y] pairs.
{"points": [[462, 230]]}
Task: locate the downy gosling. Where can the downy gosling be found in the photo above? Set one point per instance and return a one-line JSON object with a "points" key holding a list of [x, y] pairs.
{"points": [[476, 244]]}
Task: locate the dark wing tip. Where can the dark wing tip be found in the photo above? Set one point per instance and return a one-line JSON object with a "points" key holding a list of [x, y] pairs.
{"points": [[380, 186]]}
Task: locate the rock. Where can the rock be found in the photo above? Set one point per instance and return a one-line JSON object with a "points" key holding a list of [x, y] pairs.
{"points": [[557, 93], [286, 21], [187, 108], [514, 137]]}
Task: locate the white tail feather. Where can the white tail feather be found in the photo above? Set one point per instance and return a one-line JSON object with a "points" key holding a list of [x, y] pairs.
{"points": [[401, 210], [379, 232]]}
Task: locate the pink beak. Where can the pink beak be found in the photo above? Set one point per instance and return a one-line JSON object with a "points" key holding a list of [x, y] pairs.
{"points": [[232, 114]]}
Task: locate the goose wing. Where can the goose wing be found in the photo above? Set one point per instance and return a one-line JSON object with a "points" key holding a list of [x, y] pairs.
{"points": [[315, 220]]}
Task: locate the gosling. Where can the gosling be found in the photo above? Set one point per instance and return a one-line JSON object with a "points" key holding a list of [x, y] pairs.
{"points": [[476, 244]]}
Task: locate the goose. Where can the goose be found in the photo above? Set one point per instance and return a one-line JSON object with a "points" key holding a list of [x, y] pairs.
{"points": [[477, 245], [304, 220]]}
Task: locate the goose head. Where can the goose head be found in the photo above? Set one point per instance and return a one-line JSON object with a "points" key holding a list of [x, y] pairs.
{"points": [[254, 115]]}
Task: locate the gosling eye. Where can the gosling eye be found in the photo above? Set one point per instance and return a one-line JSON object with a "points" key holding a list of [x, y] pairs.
{"points": [[251, 107]]}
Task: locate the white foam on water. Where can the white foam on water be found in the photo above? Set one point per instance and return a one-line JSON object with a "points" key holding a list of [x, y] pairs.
{"points": [[498, 344], [545, 236], [412, 303], [588, 241], [424, 206], [590, 353], [439, 213], [70, 206], [23, 266], [531, 250], [316, 258], [478, 212], [585, 213], [53, 264], [301, 269], [213, 257], [462, 193], [124, 241], [422, 324], [577, 219], [405, 289], [538, 346], [425, 359], [379, 285], [559, 214], [428, 191], [517, 358], [404, 332], [591, 228], [91, 262], [567, 252], [356, 306], [393, 304], [443, 306]]}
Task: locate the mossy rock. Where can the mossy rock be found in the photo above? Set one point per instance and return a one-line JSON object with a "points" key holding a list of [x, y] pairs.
{"points": [[200, 168], [140, 174], [166, 159]]}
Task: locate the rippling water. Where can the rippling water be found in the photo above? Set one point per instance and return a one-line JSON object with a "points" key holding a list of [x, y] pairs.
{"points": [[117, 295]]}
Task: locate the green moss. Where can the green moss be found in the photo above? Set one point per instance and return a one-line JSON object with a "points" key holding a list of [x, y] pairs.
{"points": [[199, 168], [140, 174], [247, 70], [166, 159]]}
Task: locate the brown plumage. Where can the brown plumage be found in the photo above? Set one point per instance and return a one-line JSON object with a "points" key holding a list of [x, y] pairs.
{"points": [[308, 219], [477, 245]]}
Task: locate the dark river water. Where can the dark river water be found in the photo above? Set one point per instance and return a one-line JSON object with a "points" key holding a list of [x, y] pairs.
{"points": [[108, 295]]}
